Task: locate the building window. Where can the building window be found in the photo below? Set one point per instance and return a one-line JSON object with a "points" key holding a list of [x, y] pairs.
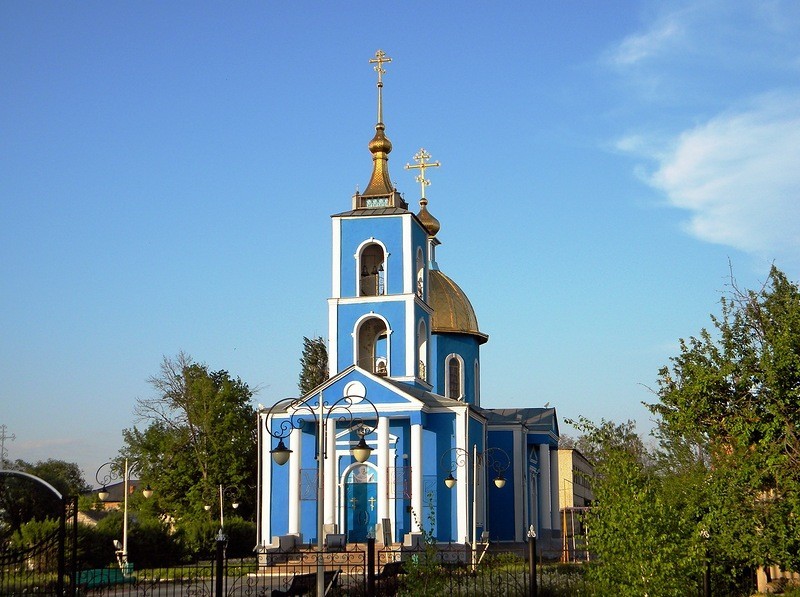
{"points": [[476, 382], [455, 377]]}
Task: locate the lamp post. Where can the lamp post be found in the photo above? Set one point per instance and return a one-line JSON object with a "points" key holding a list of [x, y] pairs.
{"points": [[233, 492], [459, 457], [112, 474], [350, 410]]}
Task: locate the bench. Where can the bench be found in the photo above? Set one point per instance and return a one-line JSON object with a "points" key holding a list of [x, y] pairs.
{"points": [[102, 577], [387, 578], [304, 584]]}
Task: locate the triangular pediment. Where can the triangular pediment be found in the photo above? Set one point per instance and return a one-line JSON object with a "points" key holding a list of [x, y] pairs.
{"points": [[355, 382]]}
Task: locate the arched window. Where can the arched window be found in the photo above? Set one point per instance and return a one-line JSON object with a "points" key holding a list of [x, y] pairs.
{"points": [[422, 351], [372, 346], [454, 380], [476, 380], [420, 274], [372, 280]]}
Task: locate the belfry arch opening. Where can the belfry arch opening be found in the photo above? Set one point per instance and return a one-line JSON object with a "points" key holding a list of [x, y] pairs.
{"points": [[372, 346], [422, 351], [420, 274], [372, 270]]}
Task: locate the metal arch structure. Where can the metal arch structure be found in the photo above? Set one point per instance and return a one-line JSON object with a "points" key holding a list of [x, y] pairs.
{"points": [[54, 553], [42, 482]]}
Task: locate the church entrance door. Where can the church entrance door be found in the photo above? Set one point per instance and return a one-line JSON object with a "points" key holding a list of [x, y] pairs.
{"points": [[361, 499]]}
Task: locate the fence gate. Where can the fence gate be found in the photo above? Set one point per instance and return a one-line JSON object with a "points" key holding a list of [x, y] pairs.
{"points": [[38, 537]]}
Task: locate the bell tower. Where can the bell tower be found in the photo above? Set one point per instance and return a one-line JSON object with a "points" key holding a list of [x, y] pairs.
{"points": [[378, 315]]}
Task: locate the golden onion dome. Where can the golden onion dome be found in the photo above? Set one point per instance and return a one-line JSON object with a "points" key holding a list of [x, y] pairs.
{"points": [[379, 182], [431, 224], [380, 142], [452, 311]]}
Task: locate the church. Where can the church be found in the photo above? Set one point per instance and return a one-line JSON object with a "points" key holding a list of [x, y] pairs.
{"points": [[395, 444]]}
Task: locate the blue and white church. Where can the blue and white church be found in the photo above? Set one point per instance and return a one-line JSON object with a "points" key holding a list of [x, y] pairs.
{"points": [[404, 356]]}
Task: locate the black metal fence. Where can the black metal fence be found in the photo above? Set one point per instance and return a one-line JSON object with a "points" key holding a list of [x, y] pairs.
{"points": [[357, 569], [46, 566]]}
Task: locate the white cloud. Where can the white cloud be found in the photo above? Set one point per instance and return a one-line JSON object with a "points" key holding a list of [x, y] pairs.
{"points": [[637, 47], [738, 174]]}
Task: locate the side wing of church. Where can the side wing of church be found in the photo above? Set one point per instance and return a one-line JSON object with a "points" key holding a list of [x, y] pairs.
{"points": [[404, 356]]}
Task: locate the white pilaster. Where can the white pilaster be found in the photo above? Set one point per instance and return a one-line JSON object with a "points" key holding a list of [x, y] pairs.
{"points": [[416, 478], [408, 257], [264, 496], [411, 339], [520, 482], [333, 338], [464, 480], [336, 252], [544, 486], [383, 468], [331, 478], [296, 446]]}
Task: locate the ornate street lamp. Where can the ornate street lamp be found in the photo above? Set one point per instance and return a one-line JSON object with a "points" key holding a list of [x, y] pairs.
{"points": [[114, 472], [351, 410], [458, 457], [233, 493], [489, 456]]}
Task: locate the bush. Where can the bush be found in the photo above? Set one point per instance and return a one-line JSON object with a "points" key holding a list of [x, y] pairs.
{"points": [[241, 537]]}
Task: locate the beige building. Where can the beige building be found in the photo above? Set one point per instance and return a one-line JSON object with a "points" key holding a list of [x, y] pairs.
{"points": [[575, 474]]}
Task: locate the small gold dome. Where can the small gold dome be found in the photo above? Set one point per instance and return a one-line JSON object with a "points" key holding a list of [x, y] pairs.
{"points": [[380, 142], [431, 224], [452, 311]]}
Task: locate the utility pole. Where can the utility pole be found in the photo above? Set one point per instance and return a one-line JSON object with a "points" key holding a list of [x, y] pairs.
{"points": [[3, 451]]}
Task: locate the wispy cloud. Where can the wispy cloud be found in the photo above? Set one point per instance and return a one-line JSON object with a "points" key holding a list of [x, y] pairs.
{"points": [[639, 46], [737, 174]]}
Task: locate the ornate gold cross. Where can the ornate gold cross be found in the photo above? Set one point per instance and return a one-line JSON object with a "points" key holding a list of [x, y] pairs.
{"points": [[380, 58], [420, 157], [378, 61]]}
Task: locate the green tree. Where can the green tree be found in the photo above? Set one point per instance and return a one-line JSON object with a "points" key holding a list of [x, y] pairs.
{"points": [[200, 434], [23, 500], [643, 524], [735, 394], [66, 477], [313, 363]]}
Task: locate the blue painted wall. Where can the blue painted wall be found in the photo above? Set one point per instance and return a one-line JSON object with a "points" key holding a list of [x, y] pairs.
{"points": [[467, 348], [393, 312], [439, 502], [386, 229], [500, 502]]}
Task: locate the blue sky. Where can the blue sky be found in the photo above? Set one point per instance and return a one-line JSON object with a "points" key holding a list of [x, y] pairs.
{"points": [[167, 173]]}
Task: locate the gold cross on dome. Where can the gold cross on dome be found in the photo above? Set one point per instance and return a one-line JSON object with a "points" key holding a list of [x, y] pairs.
{"points": [[380, 58], [421, 158]]}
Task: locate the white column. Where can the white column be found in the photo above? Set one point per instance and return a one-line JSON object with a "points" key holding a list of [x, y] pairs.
{"points": [[383, 468], [296, 446], [331, 473], [265, 464], [521, 500], [544, 486], [416, 478], [463, 480], [555, 508]]}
